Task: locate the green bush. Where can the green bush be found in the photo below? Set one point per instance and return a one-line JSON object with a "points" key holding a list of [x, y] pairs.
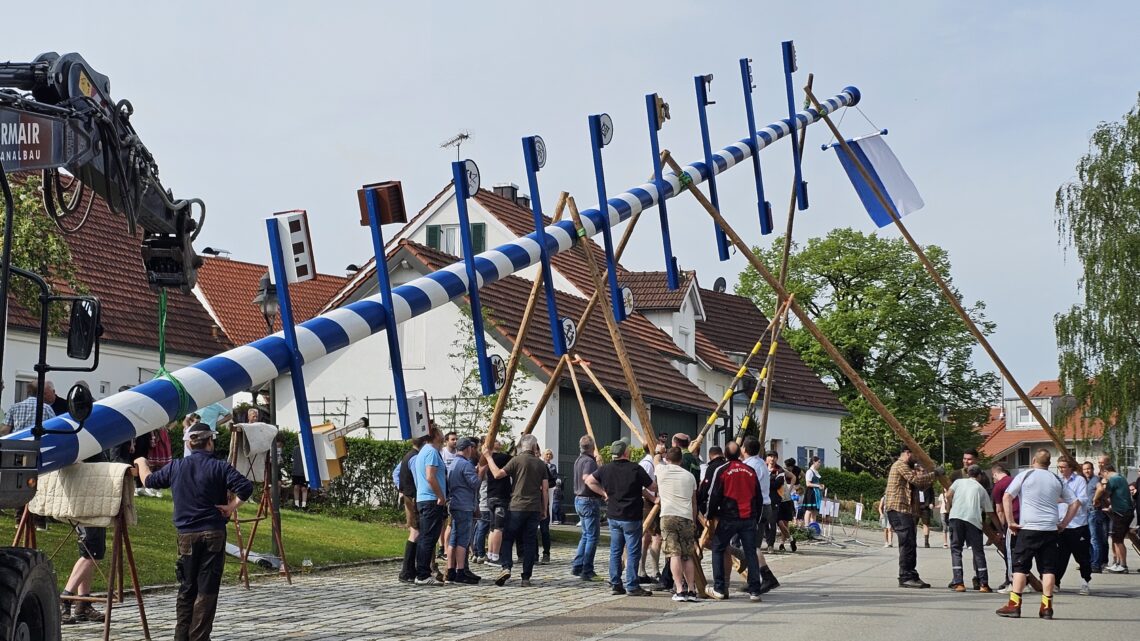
{"points": [[635, 454], [849, 485], [367, 477]]}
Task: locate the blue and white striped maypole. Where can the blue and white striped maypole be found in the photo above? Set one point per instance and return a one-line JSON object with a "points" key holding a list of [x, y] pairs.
{"points": [[126, 415]]}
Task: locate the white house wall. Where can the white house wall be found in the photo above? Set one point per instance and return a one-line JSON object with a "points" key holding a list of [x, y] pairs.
{"points": [[118, 365]]}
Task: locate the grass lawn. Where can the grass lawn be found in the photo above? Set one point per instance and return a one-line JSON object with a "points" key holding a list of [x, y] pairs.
{"points": [[323, 539]]}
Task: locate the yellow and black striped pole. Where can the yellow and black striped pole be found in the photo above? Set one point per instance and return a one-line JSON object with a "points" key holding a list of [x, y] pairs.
{"points": [[695, 446], [778, 325]]}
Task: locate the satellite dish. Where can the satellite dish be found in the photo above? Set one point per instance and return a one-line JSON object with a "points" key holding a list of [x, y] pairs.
{"points": [[607, 126], [720, 285], [627, 300], [471, 170], [569, 332], [539, 152]]}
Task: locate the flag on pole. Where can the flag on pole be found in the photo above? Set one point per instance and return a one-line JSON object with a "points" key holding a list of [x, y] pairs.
{"points": [[884, 168]]}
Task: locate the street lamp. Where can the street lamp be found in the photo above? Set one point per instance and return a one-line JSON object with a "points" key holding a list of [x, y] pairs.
{"points": [[266, 303], [943, 418]]}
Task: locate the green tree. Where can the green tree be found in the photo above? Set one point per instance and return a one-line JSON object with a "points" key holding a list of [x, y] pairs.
{"points": [[38, 246], [871, 297], [470, 413], [1098, 215]]}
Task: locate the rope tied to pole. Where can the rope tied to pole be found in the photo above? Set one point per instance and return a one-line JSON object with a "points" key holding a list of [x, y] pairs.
{"points": [[183, 395]]}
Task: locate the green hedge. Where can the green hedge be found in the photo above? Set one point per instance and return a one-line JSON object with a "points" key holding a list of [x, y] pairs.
{"points": [[635, 454], [851, 486]]}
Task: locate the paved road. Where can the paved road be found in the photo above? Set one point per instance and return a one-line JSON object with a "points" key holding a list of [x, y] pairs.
{"points": [[846, 591], [855, 596]]}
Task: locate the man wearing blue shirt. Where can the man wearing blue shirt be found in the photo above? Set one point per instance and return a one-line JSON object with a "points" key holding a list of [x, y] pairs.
{"points": [[431, 503], [462, 488], [201, 508]]}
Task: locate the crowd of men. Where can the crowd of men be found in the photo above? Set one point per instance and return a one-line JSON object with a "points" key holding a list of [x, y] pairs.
{"points": [[1036, 518]]}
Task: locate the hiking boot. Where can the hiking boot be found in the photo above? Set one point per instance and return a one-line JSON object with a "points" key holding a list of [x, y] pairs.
{"points": [[84, 612], [957, 587], [985, 589], [503, 577], [1045, 612], [1010, 610], [65, 616]]}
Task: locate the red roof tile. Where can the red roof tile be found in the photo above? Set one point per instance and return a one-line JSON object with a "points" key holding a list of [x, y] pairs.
{"points": [[108, 262], [733, 323], [1001, 438], [651, 290], [1045, 389], [230, 285], [504, 302]]}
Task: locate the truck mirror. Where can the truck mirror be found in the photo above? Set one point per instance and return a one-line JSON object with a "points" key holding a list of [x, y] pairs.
{"points": [[79, 402], [84, 329]]}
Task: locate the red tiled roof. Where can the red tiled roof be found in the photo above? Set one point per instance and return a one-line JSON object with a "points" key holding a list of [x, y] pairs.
{"points": [[651, 291], [230, 285], [108, 262], [1000, 438], [733, 323], [1046, 389], [504, 302]]}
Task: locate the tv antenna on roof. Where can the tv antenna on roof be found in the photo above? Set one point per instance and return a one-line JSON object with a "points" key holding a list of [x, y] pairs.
{"points": [[456, 141]]}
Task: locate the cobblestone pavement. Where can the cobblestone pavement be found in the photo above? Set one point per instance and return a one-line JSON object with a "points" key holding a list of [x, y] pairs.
{"points": [[367, 603]]}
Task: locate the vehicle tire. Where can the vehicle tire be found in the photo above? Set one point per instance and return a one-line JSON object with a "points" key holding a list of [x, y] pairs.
{"points": [[29, 603]]}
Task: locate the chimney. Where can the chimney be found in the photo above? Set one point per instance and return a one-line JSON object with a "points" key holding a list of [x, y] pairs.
{"points": [[523, 201], [510, 191]]}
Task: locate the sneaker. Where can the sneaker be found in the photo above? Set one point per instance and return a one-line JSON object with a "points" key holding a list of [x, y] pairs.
{"points": [[781, 548], [713, 594], [489, 561], [1045, 612], [1084, 588], [431, 580], [754, 597], [1116, 568], [957, 587], [644, 578], [793, 545], [768, 584], [503, 577], [592, 577], [985, 589], [575, 571], [914, 583], [545, 559], [1009, 610], [692, 596], [886, 545], [638, 591], [439, 577], [471, 575], [526, 583], [679, 597], [617, 590]]}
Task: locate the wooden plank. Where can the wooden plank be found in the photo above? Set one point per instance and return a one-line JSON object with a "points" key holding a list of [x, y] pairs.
{"points": [[582, 407], [613, 404]]}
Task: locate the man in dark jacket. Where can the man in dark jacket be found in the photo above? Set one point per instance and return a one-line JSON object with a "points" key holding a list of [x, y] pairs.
{"points": [[201, 508], [735, 501]]}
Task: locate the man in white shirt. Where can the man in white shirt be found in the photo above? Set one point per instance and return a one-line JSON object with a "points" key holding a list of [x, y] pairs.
{"points": [[651, 535], [677, 492], [764, 479], [1038, 533], [968, 501], [1075, 539]]}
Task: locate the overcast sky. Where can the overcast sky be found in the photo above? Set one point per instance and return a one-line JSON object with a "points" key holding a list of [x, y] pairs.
{"points": [[259, 107]]}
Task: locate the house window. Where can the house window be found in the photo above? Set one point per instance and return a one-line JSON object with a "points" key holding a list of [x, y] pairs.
{"points": [[1024, 417], [23, 387], [1023, 457], [446, 238], [804, 455]]}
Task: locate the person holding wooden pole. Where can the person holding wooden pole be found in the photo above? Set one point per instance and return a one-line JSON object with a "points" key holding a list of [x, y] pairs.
{"points": [[588, 506], [677, 490], [735, 502], [623, 485], [902, 512]]}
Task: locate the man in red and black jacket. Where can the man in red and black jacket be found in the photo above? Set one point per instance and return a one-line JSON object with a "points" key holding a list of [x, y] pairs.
{"points": [[735, 501]]}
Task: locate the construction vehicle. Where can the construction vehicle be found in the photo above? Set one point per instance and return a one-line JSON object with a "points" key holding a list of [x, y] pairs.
{"points": [[57, 118]]}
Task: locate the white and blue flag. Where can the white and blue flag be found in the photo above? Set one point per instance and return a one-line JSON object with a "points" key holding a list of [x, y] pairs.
{"points": [[880, 162]]}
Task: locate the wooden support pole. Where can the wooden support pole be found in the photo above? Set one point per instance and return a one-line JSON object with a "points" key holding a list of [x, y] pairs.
{"points": [[695, 446], [516, 350], [556, 376], [833, 352], [770, 363], [615, 335], [613, 404], [947, 293], [582, 406]]}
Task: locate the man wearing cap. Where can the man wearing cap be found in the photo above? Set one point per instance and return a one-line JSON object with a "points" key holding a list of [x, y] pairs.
{"points": [[462, 486], [623, 485], [199, 485]]}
